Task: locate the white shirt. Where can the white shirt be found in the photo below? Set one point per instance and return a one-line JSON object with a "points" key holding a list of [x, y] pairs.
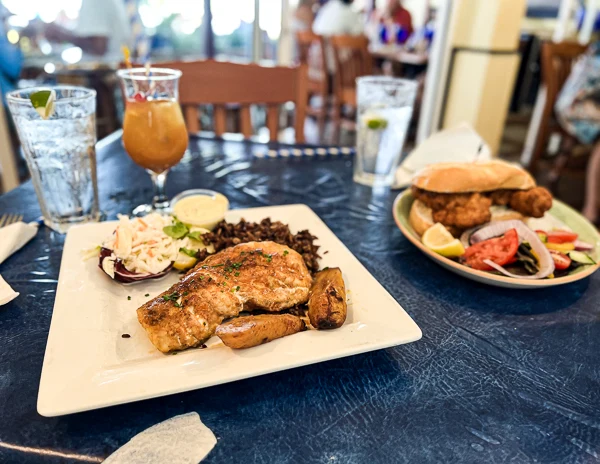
{"points": [[107, 18], [337, 18]]}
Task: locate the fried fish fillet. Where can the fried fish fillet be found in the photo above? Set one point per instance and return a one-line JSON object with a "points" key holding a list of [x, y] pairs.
{"points": [[254, 275], [457, 210], [534, 202], [465, 210]]}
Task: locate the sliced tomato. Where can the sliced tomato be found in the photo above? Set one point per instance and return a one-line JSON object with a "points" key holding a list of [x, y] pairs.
{"points": [[500, 250], [561, 236], [561, 261]]}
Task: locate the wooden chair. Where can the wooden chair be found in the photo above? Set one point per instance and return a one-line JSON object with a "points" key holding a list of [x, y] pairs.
{"points": [[311, 53], [557, 60], [352, 60], [220, 83]]}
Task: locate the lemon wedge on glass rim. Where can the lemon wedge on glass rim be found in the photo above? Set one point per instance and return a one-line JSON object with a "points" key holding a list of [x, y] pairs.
{"points": [[438, 239], [43, 102]]}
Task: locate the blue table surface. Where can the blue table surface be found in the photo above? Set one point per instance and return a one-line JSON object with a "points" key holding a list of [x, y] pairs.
{"points": [[499, 375]]}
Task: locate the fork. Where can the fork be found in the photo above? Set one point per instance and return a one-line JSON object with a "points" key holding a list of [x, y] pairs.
{"points": [[8, 219]]}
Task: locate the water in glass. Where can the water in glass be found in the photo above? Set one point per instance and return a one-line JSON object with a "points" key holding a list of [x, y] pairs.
{"points": [[385, 107], [60, 154]]}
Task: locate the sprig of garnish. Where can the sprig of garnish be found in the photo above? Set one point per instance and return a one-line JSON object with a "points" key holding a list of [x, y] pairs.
{"points": [[177, 230], [190, 253], [195, 235], [173, 297]]}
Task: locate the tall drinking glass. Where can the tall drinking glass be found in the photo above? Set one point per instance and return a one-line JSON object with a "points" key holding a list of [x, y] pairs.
{"points": [[385, 107], [154, 132], [60, 153]]}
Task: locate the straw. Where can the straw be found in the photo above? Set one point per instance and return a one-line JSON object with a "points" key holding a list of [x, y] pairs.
{"points": [[127, 57]]}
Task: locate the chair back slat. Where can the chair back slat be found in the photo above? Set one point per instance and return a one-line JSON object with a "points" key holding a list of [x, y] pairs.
{"points": [[220, 83], [192, 118], [557, 62], [352, 58], [220, 114], [309, 44], [245, 121], [273, 121]]}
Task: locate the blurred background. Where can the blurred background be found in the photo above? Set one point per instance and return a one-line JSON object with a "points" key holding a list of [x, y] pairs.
{"points": [[477, 61]]}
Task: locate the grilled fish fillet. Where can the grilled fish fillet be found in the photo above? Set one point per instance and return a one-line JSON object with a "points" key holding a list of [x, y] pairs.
{"points": [[254, 275]]}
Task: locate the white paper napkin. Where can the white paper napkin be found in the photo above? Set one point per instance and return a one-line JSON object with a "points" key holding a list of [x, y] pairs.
{"points": [[12, 238], [460, 144], [180, 440]]}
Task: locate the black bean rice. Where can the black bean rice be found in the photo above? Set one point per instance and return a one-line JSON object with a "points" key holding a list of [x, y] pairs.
{"points": [[226, 234]]}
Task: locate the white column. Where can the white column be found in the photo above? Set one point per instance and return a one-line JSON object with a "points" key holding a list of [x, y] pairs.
{"points": [[437, 72], [256, 34], [285, 50], [564, 17], [591, 11]]}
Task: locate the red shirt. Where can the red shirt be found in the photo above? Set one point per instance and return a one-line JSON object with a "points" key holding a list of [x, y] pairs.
{"points": [[401, 16]]}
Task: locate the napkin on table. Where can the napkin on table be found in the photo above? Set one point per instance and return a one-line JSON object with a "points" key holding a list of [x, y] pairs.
{"points": [[12, 238], [180, 440], [461, 144]]}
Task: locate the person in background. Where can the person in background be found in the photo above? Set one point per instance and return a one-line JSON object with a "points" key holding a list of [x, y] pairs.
{"points": [[103, 27], [337, 17], [395, 13], [11, 59], [578, 112], [304, 15]]}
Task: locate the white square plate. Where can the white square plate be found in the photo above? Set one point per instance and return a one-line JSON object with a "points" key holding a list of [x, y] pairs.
{"points": [[89, 365]]}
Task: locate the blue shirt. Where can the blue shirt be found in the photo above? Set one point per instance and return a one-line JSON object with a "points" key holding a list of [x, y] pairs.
{"points": [[11, 61]]}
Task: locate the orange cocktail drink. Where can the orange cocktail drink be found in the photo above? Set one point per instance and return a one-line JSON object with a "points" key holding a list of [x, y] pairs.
{"points": [[154, 133]]}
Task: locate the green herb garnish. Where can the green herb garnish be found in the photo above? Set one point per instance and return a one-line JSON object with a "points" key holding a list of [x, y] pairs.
{"points": [[237, 274], [177, 230], [187, 251], [285, 252], [147, 295], [195, 235], [173, 297], [129, 298]]}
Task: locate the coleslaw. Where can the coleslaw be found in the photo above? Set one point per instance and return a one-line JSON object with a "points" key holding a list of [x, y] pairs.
{"points": [[147, 246]]}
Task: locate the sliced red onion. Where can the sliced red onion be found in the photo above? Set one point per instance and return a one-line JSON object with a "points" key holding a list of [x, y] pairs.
{"points": [[546, 263], [545, 270], [496, 229], [583, 246], [465, 237], [122, 274]]}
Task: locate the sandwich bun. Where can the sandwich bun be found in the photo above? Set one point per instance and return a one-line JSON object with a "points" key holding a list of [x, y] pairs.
{"points": [[421, 216], [483, 176]]}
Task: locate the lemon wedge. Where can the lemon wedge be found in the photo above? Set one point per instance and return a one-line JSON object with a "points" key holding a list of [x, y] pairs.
{"points": [[374, 121], [184, 262], [43, 102], [438, 239]]}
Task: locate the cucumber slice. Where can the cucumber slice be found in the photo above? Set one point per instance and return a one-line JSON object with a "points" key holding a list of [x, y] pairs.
{"points": [[580, 257]]}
